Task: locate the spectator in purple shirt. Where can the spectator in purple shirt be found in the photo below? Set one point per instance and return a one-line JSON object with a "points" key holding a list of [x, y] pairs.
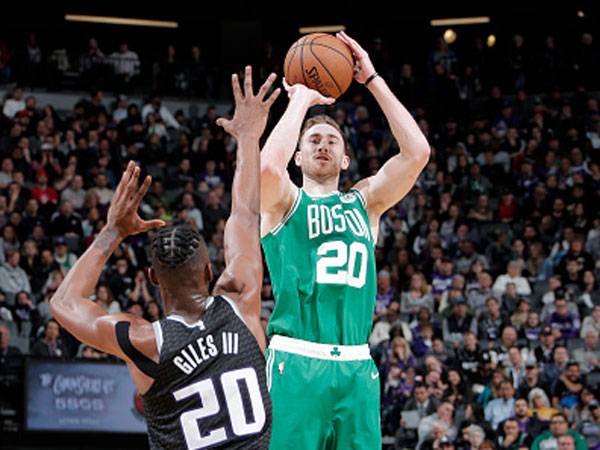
{"points": [[442, 278], [530, 426], [399, 355], [385, 293], [564, 321]]}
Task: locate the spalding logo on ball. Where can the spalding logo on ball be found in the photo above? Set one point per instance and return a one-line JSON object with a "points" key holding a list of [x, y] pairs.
{"points": [[320, 61]]}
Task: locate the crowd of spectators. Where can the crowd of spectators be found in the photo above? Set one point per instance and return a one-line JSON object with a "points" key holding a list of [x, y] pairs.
{"points": [[178, 72], [486, 329], [448, 77]]}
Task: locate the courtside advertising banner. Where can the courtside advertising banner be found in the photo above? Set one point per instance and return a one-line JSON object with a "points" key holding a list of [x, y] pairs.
{"points": [[81, 396]]}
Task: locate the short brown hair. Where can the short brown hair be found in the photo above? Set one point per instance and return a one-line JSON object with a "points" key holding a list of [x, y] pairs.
{"points": [[323, 118]]}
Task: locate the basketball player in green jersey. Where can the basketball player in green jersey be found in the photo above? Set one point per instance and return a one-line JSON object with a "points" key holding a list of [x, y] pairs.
{"points": [[319, 247]]}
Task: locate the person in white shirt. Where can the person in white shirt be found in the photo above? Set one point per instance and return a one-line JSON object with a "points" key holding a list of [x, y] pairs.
{"points": [[13, 279], [102, 190], [513, 275], [75, 193], [444, 417], [155, 106], [125, 62], [14, 104], [591, 322], [515, 366]]}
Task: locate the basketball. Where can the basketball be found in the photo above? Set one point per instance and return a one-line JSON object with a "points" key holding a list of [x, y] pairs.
{"points": [[320, 61]]}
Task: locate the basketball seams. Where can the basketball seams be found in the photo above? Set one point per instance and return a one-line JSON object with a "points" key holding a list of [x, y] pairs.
{"points": [[292, 56], [326, 70], [299, 43], [317, 57], [302, 60], [326, 46], [313, 42], [302, 64]]}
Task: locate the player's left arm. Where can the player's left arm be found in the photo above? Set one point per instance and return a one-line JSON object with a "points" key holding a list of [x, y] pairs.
{"points": [[242, 278], [71, 305], [397, 176]]}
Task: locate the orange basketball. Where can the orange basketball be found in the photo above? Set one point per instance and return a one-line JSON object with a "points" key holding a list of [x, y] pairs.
{"points": [[320, 61]]}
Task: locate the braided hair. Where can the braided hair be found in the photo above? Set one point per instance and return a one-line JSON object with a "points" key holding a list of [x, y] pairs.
{"points": [[174, 246]]}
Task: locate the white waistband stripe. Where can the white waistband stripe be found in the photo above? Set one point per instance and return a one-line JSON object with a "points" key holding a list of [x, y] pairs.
{"points": [[320, 351]]}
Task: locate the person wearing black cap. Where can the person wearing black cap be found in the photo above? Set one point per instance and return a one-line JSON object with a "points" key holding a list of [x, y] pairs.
{"points": [[492, 321], [532, 379], [62, 255], [544, 354], [459, 322], [445, 443], [485, 369]]}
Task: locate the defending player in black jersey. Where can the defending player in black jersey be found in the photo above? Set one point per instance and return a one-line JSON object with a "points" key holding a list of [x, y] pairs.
{"points": [[201, 370]]}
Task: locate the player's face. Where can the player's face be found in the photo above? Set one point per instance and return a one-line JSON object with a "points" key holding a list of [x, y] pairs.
{"points": [[322, 153]]}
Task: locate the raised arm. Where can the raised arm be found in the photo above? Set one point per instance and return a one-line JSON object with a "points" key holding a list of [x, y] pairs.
{"points": [[70, 305], [277, 190], [397, 176], [242, 278]]}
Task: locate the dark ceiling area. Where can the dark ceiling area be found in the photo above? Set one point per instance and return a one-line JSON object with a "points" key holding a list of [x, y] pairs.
{"points": [[226, 30], [375, 12]]}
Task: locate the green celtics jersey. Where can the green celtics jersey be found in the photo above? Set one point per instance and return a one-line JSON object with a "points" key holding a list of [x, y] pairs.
{"points": [[322, 265]]}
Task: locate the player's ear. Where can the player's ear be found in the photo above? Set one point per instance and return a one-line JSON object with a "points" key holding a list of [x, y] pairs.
{"points": [[208, 273], [152, 277], [345, 162], [298, 158]]}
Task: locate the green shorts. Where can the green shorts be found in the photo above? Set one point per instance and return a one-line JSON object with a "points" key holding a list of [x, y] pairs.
{"points": [[324, 396]]}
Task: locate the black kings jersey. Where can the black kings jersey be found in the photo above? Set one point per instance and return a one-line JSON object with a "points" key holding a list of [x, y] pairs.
{"points": [[210, 384]]}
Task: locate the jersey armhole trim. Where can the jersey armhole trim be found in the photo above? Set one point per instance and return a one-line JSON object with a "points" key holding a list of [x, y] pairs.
{"points": [[363, 202], [158, 335], [234, 306], [360, 196], [141, 361], [289, 214]]}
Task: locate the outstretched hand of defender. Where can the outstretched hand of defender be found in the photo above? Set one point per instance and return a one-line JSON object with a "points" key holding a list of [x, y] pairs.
{"points": [[251, 111], [364, 67], [122, 214], [313, 96]]}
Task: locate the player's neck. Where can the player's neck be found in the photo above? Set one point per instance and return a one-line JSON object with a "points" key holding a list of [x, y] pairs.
{"points": [[319, 186], [188, 304]]}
